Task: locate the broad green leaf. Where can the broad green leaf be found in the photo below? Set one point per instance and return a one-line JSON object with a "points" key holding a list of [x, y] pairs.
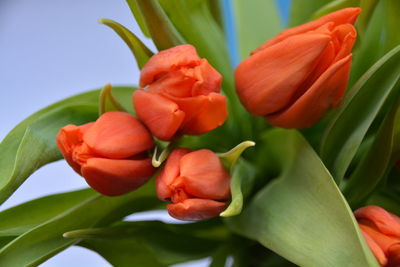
{"points": [[256, 22], [377, 161], [392, 22], [138, 48], [162, 31], [108, 102], [302, 215], [31, 144], [22, 218], [301, 11], [123, 253], [138, 17], [216, 10], [45, 240], [166, 243], [359, 109], [333, 6]]}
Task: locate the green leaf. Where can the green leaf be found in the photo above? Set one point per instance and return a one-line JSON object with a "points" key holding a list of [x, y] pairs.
{"points": [[138, 48], [377, 161], [302, 215], [256, 22], [333, 6], [242, 181], [392, 22], [368, 8], [386, 200], [360, 107], [301, 11], [108, 102], [162, 31], [165, 243], [370, 48], [138, 17], [31, 144], [45, 240], [22, 218]]}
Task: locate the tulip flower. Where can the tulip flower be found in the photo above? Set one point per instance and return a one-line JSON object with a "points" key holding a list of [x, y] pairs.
{"points": [[196, 183], [180, 94], [381, 230], [109, 153], [295, 78]]}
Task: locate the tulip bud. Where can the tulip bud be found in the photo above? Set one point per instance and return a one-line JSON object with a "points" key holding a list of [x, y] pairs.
{"points": [[180, 94], [109, 153], [195, 182], [381, 230], [293, 79]]}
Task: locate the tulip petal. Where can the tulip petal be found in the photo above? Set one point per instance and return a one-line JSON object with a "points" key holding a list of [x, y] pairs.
{"points": [[394, 255], [376, 250], [202, 113], [386, 222], [343, 16], [196, 209], [168, 60], [118, 135], [70, 137], [208, 79], [382, 240], [204, 175], [325, 94], [116, 177], [162, 116], [346, 35], [168, 174], [267, 81]]}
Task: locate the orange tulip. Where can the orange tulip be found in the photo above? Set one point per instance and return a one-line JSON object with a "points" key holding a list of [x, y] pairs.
{"points": [[109, 153], [295, 78], [196, 183], [180, 94], [381, 230]]}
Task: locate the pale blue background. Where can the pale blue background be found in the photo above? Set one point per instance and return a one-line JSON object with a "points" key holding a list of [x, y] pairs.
{"points": [[52, 49]]}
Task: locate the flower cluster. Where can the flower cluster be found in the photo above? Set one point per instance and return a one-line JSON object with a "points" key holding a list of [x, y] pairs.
{"points": [[179, 95]]}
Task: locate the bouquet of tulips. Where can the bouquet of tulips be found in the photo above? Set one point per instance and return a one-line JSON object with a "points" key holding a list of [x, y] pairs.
{"points": [[289, 158]]}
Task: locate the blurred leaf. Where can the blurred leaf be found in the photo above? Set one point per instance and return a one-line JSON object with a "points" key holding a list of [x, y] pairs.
{"points": [[333, 6], [31, 144], [368, 50], [138, 17], [215, 7], [162, 31], [301, 11], [386, 200], [22, 218], [368, 8], [302, 215], [108, 102], [377, 161], [392, 22], [45, 240], [256, 22], [165, 243], [360, 107], [138, 48]]}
